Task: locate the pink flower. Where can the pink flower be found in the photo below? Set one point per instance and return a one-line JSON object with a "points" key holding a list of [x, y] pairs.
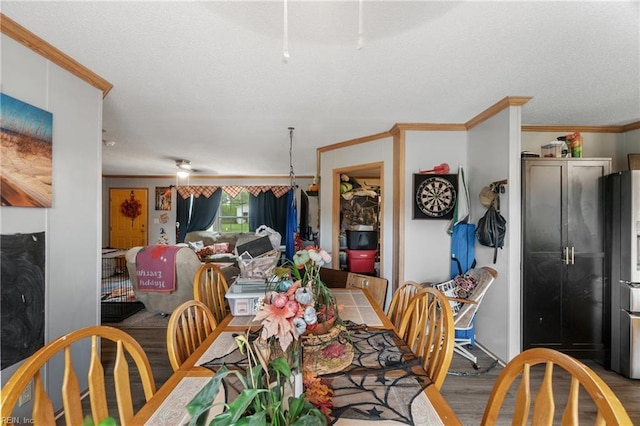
{"points": [[334, 350], [275, 322]]}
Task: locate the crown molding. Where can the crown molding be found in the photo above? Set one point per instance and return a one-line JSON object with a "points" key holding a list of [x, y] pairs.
{"points": [[12, 29], [583, 129], [496, 108], [447, 127], [354, 141], [209, 177]]}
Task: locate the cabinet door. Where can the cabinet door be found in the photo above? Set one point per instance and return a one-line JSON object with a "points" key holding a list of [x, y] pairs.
{"points": [[563, 255], [377, 287], [544, 230], [585, 290]]}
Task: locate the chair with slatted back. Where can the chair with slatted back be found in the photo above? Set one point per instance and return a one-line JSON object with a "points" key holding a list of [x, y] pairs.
{"points": [[609, 409], [400, 300], [210, 287], [43, 410], [427, 327], [189, 326], [464, 316]]}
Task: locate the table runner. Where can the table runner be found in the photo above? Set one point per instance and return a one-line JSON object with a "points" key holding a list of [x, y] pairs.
{"points": [[356, 308], [385, 380]]}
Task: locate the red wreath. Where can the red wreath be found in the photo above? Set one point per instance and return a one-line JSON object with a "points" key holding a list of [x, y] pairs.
{"points": [[131, 208]]}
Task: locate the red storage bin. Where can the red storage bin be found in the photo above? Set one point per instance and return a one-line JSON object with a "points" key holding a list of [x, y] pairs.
{"points": [[361, 261]]}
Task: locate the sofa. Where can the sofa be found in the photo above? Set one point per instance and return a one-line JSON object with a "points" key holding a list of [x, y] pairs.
{"points": [[187, 265], [197, 239]]}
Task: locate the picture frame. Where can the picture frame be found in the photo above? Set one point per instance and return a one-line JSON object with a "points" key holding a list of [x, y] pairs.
{"points": [[163, 198], [26, 166]]}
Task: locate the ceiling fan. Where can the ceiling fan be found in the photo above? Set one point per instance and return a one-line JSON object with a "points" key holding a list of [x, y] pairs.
{"points": [[184, 168]]}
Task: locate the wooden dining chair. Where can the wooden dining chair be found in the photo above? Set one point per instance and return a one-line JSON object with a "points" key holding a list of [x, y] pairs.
{"points": [[609, 409], [400, 301], [427, 327], [210, 287], [189, 326], [44, 413]]}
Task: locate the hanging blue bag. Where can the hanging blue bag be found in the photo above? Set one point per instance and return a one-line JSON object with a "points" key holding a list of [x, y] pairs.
{"points": [[463, 254]]}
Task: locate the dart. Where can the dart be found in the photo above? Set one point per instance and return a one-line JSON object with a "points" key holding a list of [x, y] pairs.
{"points": [[439, 169]]}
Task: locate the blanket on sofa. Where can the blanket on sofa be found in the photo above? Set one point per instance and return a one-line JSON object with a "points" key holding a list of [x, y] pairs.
{"points": [[156, 268]]}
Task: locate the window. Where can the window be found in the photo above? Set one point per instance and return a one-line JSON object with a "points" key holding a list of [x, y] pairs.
{"points": [[233, 214]]}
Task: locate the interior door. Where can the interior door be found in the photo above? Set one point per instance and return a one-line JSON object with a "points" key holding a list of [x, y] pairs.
{"points": [[371, 171], [126, 232]]}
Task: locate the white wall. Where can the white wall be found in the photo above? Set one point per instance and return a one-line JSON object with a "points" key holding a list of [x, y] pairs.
{"points": [[494, 154], [153, 216], [72, 224], [607, 145], [630, 144], [427, 248], [380, 150]]}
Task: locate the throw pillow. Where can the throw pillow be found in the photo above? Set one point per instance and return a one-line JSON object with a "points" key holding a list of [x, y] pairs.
{"points": [[196, 245]]}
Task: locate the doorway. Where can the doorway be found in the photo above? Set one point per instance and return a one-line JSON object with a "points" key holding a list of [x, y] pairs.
{"points": [[126, 231], [366, 182]]}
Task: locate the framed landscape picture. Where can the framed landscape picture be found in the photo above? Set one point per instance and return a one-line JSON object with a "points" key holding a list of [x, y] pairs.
{"points": [[26, 143]]}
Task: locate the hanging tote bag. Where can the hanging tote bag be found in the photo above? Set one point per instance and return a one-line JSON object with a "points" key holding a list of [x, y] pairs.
{"points": [[492, 228], [463, 244]]}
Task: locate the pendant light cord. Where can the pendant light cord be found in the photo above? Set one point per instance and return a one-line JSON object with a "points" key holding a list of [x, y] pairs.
{"points": [[360, 44], [285, 43], [292, 175]]}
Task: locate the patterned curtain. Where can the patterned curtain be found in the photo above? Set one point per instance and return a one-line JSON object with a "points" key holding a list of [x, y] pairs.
{"points": [[231, 190]]}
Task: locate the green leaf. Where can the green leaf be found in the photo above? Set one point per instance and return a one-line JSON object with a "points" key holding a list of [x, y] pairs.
{"points": [[309, 420], [200, 405], [109, 421], [295, 406], [258, 419], [222, 419], [281, 365], [238, 406]]}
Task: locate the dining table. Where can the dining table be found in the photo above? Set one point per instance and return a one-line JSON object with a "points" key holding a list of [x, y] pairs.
{"points": [[385, 381]]}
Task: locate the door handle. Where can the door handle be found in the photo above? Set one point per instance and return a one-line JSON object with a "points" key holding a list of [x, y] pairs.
{"points": [[573, 258], [565, 255]]}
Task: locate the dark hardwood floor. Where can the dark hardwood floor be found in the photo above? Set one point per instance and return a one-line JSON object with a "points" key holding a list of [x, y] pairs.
{"points": [[467, 394]]}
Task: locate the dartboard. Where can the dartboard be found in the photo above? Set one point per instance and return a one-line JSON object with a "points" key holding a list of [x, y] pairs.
{"points": [[435, 196]]}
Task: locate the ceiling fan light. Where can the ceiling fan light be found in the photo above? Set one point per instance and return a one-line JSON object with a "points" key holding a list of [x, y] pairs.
{"points": [[183, 164], [182, 173]]}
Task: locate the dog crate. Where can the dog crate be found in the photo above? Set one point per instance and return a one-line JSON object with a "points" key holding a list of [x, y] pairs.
{"points": [[117, 299]]}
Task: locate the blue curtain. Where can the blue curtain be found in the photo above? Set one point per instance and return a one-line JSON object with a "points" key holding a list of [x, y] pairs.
{"points": [[196, 215], [204, 211], [183, 208], [267, 209], [292, 224]]}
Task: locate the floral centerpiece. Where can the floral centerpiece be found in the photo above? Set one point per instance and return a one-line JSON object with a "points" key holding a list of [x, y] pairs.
{"points": [[300, 312], [297, 302], [299, 315]]}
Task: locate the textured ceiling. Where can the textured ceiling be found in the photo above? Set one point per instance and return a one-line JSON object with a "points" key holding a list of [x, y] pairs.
{"points": [[206, 81]]}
